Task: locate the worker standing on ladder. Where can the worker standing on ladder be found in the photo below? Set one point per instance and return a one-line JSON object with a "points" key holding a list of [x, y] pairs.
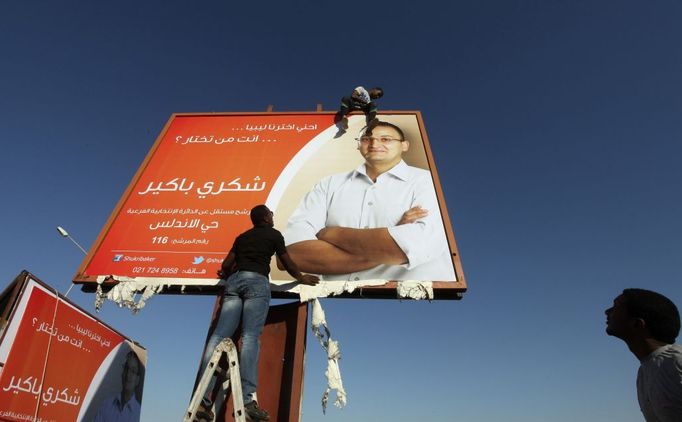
{"points": [[246, 298]]}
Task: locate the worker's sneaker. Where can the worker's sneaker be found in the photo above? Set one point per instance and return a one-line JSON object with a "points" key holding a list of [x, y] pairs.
{"points": [[255, 413]]}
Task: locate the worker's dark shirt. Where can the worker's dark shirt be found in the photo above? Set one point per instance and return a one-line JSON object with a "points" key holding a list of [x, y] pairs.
{"points": [[254, 249]]}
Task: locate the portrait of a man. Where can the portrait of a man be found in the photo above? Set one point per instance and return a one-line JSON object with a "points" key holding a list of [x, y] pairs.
{"points": [[380, 220], [125, 406]]}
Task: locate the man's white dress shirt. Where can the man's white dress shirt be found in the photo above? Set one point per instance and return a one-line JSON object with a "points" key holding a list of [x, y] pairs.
{"points": [[353, 200]]}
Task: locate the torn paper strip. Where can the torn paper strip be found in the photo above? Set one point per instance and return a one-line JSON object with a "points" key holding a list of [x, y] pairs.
{"points": [[333, 373], [415, 289], [133, 293]]}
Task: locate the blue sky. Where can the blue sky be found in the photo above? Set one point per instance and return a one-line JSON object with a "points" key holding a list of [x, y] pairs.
{"points": [[556, 128]]}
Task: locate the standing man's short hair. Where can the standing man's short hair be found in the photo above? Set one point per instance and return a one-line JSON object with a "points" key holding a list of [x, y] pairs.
{"points": [[658, 312], [258, 214]]}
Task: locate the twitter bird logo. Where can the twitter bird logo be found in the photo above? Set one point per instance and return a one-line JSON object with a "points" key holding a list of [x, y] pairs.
{"points": [[198, 260]]}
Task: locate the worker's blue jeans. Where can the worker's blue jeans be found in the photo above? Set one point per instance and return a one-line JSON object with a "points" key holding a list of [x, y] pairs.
{"points": [[246, 298]]}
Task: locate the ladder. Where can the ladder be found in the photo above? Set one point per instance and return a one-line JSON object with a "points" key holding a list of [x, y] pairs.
{"points": [[232, 379]]}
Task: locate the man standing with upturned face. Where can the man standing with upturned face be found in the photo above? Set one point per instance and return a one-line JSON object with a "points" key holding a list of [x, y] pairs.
{"points": [[649, 323]]}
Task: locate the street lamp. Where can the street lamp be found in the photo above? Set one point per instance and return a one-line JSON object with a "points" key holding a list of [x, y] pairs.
{"points": [[64, 233]]}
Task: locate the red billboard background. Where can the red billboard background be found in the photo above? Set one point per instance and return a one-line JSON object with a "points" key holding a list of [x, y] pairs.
{"points": [[55, 357], [179, 219]]}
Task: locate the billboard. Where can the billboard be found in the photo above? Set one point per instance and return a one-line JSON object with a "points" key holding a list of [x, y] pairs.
{"points": [[191, 197], [61, 364]]}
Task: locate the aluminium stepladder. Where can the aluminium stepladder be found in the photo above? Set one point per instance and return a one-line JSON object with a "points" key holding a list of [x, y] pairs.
{"points": [[232, 380]]}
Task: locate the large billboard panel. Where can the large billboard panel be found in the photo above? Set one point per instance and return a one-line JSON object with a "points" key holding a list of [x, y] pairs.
{"points": [[58, 363], [192, 195]]}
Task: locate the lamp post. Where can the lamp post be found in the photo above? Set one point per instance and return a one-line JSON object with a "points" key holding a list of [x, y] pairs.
{"points": [[66, 234]]}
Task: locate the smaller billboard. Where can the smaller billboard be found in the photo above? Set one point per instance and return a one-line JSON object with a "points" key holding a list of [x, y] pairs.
{"points": [[59, 363]]}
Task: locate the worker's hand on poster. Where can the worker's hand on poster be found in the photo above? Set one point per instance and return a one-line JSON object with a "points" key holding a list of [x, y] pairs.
{"points": [[309, 279]]}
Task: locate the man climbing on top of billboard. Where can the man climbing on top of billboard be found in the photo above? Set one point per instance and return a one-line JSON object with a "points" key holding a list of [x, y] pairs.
{"points": [[247, 298], [379, 221], [360, 99]]}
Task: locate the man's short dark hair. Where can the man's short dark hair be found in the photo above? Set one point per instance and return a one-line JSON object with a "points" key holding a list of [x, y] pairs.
{"points": [[385, 124], [379, 92], [660, 313], [258, 214]]}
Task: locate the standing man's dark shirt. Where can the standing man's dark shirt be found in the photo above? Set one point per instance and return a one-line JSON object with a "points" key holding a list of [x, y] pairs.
{"points": [[254, 249]]}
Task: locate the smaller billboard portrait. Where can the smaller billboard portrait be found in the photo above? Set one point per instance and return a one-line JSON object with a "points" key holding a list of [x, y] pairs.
{"points": [[352, 204], [61, 364]]}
